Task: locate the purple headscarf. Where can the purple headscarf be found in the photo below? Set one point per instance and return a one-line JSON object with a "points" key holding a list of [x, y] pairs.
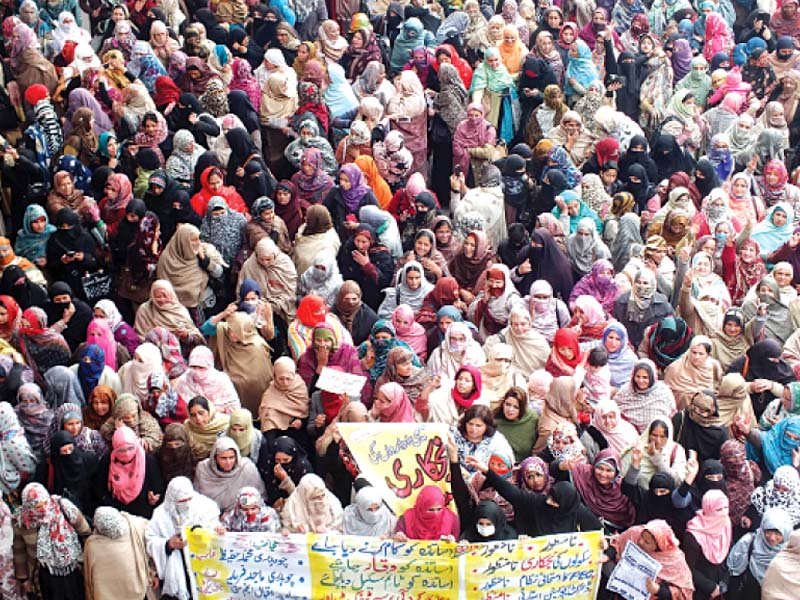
{"points": [[538, 464], [358, 187], [601, 288], [681, 58], [79, 98]]}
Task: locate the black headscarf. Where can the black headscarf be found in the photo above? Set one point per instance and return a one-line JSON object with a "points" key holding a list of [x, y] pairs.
{"points": [[555, 184], [214, 31], [242, 148], [706, 178], [536, 74], [641, 191], [240, 105], [654, 506], [669, 157], [509, 249], [704, 438], [209, 158], [17, 285], [488, 509], [562, 519], [298, 467], [641, 157], [75, 332], [548, 262], [72, 472]]}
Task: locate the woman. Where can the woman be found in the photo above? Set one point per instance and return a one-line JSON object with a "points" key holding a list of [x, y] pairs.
{"points": [[642, 306], [224, 473], [244, 356], [459, 348], [517, 422], [751, 556], [530, 348], [618, 433], [560, 408], [312, 181], [392, 405], [775, 229], [450, 401], [175, 455], [601, 490], [644, 397], [656, 538], [164, 309], [599, 281], [470, 263], [544, 260], [765, 372], [734, 403], [368, 515], [132, 478], [49, 527], [250, 514], [566, 354], [344, 201], [698, 428], [311, 508], [694, 370], [34, 416], [204, 426], [202, 379], [473, 141], [18, 459], [621, 358], [285, 403], [42, 347], [274, 272], [32, 239], [493, 87], [429, 518], [129, 411]]}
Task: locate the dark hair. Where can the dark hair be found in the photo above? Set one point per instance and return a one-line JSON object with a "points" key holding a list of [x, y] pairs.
{"points": [[198, 401], [478, 411], [610, 165], [519, 395], [598, 357], [658, 423], [151, 116]]}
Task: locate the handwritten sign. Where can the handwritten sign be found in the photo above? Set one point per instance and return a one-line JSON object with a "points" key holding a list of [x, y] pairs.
{"points": [[400, 459], [339, 382], [347, 566], [555, 566], [251, 566], [629, 578]]}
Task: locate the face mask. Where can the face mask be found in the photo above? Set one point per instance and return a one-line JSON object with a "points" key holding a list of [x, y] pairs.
{"points": [[457, 346], [370, 516], [249, 306], [721, 238], [485, 530], [182, 508], [540, 306], [420, 217]]}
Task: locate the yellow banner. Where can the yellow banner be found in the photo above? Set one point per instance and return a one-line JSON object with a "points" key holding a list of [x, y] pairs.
{"points": [[252, 566], [400, 458]]}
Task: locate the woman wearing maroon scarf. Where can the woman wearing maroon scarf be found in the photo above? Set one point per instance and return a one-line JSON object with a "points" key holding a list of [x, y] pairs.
{"points": [[287, 206]]}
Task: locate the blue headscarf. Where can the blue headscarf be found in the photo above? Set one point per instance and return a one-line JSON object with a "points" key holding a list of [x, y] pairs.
{"points": [[580, 68], [563, 163], [584, 212], [80, 174], [776, 447], [102, 144], [286, 13], [32, 245], [89, 372], [339, 96], [739, 54], [383, 347], [622, 361], [248, 285], [754, 43]]}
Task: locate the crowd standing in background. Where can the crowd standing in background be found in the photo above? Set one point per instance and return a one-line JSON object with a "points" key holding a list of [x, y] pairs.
{"points": [[569, 231]]}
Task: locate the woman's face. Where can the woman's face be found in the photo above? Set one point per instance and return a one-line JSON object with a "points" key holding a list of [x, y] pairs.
{"points": [[161, 297], [444, 234], [111, 191], [3, 316], [773, 536], [282, 458], [475, 429], [469, 247], [413, 279], [534, 479], [642, 379], [362, 243], [702, 267], [282, 197], [554, 20], [604, 474], [323, 344], [646, 46], [65, 186], [511, 408], [739, 187], [118, 14], [782, 275], [344, 181], [748, 253], [422, 246], [307, 168], [474, 114], [215, 183], [647, 542], [566, 352], [101, 406], [493, 62], [732, 328], [465, 385], [545, 45], [658, 437], [608, 176], [284, 379], [698, 355], [613, 342], [404, 368], [226, 460], [302, 52], [382, 403], [444, 323], [779, 217], [265, 260], [520, 324], [199, 416], [267, 215], [73, 426], [473, 11], [573, 49], [609, 420]]}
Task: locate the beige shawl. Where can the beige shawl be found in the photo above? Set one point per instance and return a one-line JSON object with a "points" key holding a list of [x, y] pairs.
{"points": [[312, 508], [117, 568], [245, 356], [559, 407], [685, 380], [202, 440], [530, 350], [727, 349], [223, 487], [178, 264], [279, 407], [172, 316], [278, 281], [734, 401]]}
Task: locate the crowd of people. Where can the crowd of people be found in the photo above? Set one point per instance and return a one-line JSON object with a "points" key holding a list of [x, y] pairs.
{"points": [[569, 231]]}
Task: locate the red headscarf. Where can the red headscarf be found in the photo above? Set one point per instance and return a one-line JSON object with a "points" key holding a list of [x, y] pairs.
{"points": [[557, 365], [166, 91], [607, 149], [400, 410], [476, 379], [201, 199], [312, 310], [461, 65], [420, 524], [7, 330]]}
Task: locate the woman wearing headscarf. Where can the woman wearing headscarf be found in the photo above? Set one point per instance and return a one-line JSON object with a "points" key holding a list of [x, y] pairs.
{"points": [[70, 250], [657, 539], [530, 348], [546, 116], [368, 515], [48, 528], [641, 306], [42, 347], [202, 379], [339, 97], [222, 227], [344, 200], [751, 556], [250, 514], [780, 580], [544, 260], [274, 272], [313, 183], [781, 490], [356, 316], [311, 508], [645, 396], [473, 140], [224, 473], [175, 455], [765, 314], [765, 371], [128, 409], [165, 310], [698, 426], [559, 408], [694, 370], [18, 459]]}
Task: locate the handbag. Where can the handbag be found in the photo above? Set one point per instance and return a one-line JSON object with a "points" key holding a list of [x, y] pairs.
{"points": [[439, 131], [97, 285]]}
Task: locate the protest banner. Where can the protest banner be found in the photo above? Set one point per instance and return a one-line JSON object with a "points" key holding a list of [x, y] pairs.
{"points": [[250, 566], [543, 568], [629, 578], [400, 459]]}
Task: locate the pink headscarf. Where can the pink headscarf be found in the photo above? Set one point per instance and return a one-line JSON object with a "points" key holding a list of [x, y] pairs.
{"points": [[718, 36], [623, 435], [471, 133], [99, 332], [127, 465], [400, 410], [202, 379], [419, 524], [712, 526], [415, 185], [409, 331]]}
